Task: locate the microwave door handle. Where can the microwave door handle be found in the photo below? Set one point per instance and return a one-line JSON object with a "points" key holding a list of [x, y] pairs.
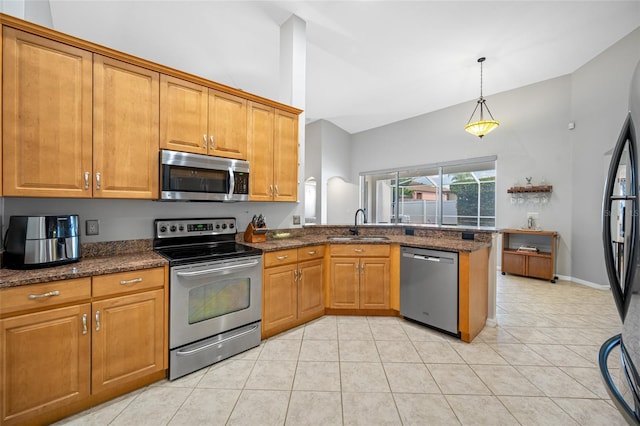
{"points": [[232, 183]]}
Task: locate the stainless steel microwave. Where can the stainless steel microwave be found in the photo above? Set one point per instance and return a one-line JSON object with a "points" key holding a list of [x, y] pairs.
{"points": [[194, 177]]}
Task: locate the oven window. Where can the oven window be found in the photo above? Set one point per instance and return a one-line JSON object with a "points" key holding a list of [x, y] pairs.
{"points": [[219, 298], [189, 179]]}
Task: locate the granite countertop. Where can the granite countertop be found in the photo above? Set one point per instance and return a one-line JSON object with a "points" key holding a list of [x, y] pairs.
{"points": [[435, 243], [85, 267]]}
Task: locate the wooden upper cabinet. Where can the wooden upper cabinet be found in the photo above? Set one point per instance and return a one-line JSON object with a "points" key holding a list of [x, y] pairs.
{"points": [[194, 118], [227, 125], [285, 157], [260, 128], [47, 116], [183, 115], [125, 130], [273, 154]]}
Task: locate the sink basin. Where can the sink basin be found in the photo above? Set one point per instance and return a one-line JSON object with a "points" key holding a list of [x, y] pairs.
{"points": [[363, 238]]}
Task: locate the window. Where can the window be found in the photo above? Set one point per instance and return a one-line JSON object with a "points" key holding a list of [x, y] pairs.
{"points": [[450, 194]]}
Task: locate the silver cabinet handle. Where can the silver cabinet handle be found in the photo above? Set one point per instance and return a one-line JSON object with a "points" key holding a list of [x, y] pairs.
{"points": [[211, 144], [358, 250], [299, 274], [48, 294], [98, 181], [277, 191], [283, 257], [271, 190], [133, 281], [84, 324], [204, 139], [311, 253], [86, 180], [97, 320], [295, 275]]}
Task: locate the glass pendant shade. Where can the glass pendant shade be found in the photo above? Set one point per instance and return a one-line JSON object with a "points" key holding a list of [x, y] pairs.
{"points": [[480, 127]]}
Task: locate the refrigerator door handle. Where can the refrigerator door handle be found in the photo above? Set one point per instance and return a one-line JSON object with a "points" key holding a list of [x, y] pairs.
{"points": [[621, 279]]}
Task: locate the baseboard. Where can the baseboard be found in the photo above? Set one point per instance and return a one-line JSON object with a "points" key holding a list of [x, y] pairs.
{"points": [[573, 280]]}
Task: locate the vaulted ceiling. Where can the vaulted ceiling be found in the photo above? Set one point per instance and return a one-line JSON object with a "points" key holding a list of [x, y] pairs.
{"points": [[368, 63]]}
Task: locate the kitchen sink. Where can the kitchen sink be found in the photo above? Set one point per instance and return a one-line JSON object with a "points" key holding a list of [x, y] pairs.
{"points": [[354, 238]]}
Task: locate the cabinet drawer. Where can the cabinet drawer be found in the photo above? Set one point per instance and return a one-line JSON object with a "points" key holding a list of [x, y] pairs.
{"points": [[127, 282], [360, 250], [281, 257], [46, 295], [309, 253]]}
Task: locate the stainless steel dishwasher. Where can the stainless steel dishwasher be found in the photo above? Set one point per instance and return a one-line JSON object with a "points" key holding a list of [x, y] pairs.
{"points": [[429, 287]]}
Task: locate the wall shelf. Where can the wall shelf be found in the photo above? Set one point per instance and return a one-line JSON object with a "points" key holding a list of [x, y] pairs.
{"points": [[527, 189]]}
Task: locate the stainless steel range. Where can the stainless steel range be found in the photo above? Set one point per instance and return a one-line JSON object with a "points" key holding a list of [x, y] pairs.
{"points": [[215, 291]]}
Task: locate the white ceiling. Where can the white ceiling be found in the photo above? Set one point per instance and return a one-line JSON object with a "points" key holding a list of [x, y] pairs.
{"points": [[369, 63]]}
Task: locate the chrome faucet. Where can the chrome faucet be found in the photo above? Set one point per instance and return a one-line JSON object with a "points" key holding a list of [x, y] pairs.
{"points": [[354, 230]]}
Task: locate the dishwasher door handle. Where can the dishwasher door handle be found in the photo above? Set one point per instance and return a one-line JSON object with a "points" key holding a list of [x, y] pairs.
{"points": [[429, 258]]}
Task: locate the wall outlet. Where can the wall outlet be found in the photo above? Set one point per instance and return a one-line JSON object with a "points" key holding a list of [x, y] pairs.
{"points": [[296, 220], [93, 227]]}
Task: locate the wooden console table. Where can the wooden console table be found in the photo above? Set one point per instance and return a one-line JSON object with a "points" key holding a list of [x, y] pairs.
{"points": [[536, 264]]}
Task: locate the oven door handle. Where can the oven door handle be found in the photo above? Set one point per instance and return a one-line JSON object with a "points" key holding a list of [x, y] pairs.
{"points": [[223, 270], [218, 342]]}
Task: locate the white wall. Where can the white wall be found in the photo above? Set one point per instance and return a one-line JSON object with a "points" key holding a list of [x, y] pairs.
{"points": [[599, 104], [532, 140]]}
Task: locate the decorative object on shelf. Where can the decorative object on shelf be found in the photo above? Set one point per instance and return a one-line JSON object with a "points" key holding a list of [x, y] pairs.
{"points": [[481, 127], [528, 184]]}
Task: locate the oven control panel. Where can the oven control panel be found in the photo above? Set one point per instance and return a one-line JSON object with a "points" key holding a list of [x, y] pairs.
{"points": [[172, 228]]}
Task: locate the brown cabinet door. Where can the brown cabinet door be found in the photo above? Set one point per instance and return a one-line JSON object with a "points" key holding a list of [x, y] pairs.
{"points": [[280, 298], [345, 292], [513, 263], [45, 362], [374, 283], [227, 125], [540, 267], [125, 130], [260, 150], [310, 290], [184, 115], [128, 338], [285, 157], [46, 109]]}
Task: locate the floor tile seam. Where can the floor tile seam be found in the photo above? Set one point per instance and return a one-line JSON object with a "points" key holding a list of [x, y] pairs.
{"points": [[145, 389], [558, 344], [185, 401], [564, 373], [495, 397], [542, 393]]}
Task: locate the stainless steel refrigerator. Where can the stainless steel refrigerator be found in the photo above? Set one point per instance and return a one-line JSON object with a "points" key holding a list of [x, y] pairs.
{"points": [[621, 240]]}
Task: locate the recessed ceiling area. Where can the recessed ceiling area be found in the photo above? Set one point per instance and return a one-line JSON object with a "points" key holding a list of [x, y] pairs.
{"points": [[369, 63]]}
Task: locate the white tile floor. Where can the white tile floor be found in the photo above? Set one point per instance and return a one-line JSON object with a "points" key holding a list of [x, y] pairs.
{"points": [[538, 367]]}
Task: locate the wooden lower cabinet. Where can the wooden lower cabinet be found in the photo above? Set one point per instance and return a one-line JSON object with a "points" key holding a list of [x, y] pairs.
{"points": [[540, 264], [127, 338], [79, 342], [46, 362], [360, 277], [292, 288]]}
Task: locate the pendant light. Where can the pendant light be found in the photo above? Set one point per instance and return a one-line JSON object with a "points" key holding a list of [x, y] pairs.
{"points": [[481, 127]]}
